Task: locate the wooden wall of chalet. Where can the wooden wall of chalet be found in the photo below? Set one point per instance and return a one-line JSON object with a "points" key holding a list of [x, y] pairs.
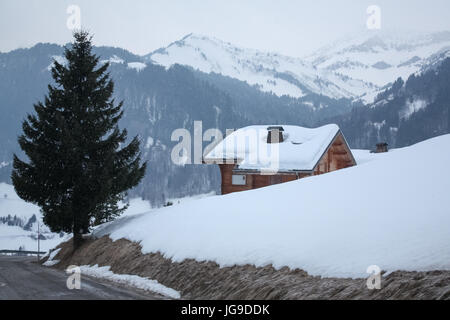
{"points": [[337, 157], [253, 181]]}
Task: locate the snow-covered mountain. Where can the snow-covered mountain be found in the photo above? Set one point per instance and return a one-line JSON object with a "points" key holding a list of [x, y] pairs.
{"points": [[357, 66], [379, 58], [271, 72], [405, 113]]}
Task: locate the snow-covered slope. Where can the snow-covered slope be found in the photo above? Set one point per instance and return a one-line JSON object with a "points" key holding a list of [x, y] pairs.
{"points": [[392, 210], [11, 204], [18, 220], [353, 67], [18, 224]]}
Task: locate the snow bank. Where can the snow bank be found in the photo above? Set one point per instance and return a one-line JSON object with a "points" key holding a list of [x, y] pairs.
{"points": [[363, 156], [393, 212], [136, 206], [132, 280], [50, 262]]}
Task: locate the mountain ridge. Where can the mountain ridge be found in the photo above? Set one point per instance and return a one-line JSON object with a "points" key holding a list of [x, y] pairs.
{"points": [[356, 68], [405, 113]]}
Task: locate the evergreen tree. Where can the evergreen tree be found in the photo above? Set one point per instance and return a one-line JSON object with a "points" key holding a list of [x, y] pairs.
{"points": [[78, 168]]}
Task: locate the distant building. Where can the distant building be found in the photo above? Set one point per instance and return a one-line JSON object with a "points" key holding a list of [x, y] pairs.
{"points": [[302, 152], [381, 147]]}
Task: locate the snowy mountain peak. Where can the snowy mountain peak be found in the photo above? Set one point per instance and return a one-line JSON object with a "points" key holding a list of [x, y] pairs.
{"points": [[356, 67], [270, 72], [379, 58]]}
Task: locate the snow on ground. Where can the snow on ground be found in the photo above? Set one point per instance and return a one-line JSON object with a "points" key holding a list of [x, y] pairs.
{"points": [[14, 236], [10, 203], [50, 262], [363, 156], [392, 211], [139, 205], [113, 59], [136, 206], [183, 200], [138, 66], [132, 280]]}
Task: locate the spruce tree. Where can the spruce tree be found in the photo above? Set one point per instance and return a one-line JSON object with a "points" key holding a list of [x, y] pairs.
{"points": [[79, 166]]}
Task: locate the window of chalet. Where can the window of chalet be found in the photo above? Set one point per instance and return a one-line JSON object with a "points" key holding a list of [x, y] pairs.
{"points": [[238, 180]]}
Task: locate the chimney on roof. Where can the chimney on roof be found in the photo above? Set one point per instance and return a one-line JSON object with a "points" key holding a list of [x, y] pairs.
{"points": [[381, 147], [275, 134]]}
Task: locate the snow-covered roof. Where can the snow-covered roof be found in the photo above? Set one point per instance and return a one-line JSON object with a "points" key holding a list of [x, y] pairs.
{"points": [[301, 149]]}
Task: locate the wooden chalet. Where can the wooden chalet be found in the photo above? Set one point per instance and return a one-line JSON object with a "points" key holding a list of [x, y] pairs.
{"points": [[300, 152]]}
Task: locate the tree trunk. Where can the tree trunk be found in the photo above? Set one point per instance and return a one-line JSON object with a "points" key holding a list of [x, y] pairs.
{"points": [[77, 239]]}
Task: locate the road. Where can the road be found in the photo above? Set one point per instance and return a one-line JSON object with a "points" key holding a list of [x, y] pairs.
{"points": [[22, 278]]}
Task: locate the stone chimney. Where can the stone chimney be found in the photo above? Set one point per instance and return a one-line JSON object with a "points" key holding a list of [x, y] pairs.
{"points": [[275, 134], [381, 147]]}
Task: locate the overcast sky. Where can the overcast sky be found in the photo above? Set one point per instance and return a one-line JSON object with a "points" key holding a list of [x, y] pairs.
{"points": [[291, 27]]}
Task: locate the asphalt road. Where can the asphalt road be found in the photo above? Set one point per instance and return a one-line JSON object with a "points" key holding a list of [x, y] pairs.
{"points": [[22, 278]]}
